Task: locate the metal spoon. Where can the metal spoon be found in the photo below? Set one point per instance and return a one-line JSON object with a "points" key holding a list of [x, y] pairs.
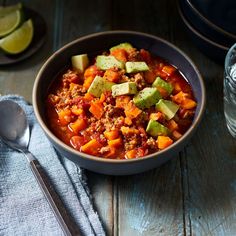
{"points": [[15, 132]]}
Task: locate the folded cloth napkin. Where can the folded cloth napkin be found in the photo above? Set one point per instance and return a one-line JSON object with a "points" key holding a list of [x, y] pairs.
{"points": [[23, 207]]}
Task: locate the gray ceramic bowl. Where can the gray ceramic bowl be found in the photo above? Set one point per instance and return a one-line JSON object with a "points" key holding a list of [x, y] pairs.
{"points": [[96, 43], [210, 48], [203, 24]]}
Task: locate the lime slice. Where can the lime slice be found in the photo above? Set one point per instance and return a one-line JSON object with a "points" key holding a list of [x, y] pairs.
{"points": [[10, 22], [19, 40], [6, 10]]}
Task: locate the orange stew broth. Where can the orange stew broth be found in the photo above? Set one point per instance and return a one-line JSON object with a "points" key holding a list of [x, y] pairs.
{"points": [[113, 127]]}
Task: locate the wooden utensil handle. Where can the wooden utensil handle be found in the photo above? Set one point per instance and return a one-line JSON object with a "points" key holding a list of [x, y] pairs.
{"points": [[66, 222]]}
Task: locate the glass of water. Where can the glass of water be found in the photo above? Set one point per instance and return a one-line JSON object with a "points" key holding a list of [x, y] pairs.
{"points": [[230, 90]]}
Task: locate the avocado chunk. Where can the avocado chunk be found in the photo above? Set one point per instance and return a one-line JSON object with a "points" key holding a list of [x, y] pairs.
{"points": [[146, 98], [163, 84], [99, 85], [125, 46], [124, 89], [136, 66], [155, 129], [80, 62], [167, 107], [107, 62]]}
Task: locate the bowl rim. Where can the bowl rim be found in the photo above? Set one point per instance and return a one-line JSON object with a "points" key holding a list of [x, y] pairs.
{"points": [[196, 32], [69, 149], [209, 22]]}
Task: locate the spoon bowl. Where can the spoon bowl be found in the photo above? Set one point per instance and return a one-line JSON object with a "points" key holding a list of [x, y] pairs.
{"points": [[14, 128]]}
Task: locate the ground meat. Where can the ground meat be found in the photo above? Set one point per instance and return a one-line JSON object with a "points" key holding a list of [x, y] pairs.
{"points": [[134, 55], [95, 127], [129, 145], [99, 127], [124, 78], [53, 99], [142, 119], [118, 122], [151, 142], [140, 81], [78, 90], [107, 122], [109, 98], [112, 111], [186, 114], [104, 150], [71, 77], [102, 139]]}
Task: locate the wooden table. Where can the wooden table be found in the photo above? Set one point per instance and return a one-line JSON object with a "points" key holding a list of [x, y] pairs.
{"points": [[193, 194]]}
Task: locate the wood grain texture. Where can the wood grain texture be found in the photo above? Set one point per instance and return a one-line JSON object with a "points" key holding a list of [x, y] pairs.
{"points": [[84, 17], [151, 203], [149, 16]]}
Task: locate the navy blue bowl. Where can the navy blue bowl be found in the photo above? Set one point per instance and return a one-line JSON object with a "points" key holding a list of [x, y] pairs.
{"points": [[203, 24], [213, 50], [222, 13], [102, 41]]}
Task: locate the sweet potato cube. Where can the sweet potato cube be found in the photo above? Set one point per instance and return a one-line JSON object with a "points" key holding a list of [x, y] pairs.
{"points": [[115, 142], [164, 142], [78, 125], [92, 147], [112, 134]]}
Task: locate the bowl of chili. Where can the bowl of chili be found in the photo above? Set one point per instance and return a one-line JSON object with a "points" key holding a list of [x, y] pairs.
{"points": [[119, 102]]}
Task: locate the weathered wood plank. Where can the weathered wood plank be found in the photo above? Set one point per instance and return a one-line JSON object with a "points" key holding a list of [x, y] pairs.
{"points": [[78, 18], [151, 203], [102, 190], [146, 16], [84, 17]]}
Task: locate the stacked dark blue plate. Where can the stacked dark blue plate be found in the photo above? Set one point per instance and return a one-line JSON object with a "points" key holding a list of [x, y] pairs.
{"points": [[211, 25]]}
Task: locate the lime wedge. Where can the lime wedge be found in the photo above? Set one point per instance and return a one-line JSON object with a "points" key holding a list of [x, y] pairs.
{"points": [[10, 22], [19, 40], [6, 10]]}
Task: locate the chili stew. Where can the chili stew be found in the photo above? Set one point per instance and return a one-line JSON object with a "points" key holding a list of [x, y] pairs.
{"points": [[124, 103]]}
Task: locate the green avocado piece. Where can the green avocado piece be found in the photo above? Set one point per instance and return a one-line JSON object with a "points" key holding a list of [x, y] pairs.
{"points": [[80, 62], [163, 84], [146, 98], [155, 129], [167, 107], [99, 85], [125, 46], [107, 62], [124, 88], [136, 66]]}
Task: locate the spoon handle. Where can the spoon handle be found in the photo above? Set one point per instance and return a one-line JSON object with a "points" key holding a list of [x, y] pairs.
{"points": [[66, 222]]}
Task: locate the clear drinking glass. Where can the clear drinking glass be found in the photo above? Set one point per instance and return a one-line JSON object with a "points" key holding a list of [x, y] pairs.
{"points": [[230, 90]]}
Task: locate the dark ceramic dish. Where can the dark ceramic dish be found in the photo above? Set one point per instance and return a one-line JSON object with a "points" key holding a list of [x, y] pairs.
{"points": [[203, 24], [102, 41], [214, 50], [39, 38], [220, 12]]}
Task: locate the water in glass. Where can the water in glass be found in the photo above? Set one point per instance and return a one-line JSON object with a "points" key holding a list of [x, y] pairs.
{"points": [[230, 91]]}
